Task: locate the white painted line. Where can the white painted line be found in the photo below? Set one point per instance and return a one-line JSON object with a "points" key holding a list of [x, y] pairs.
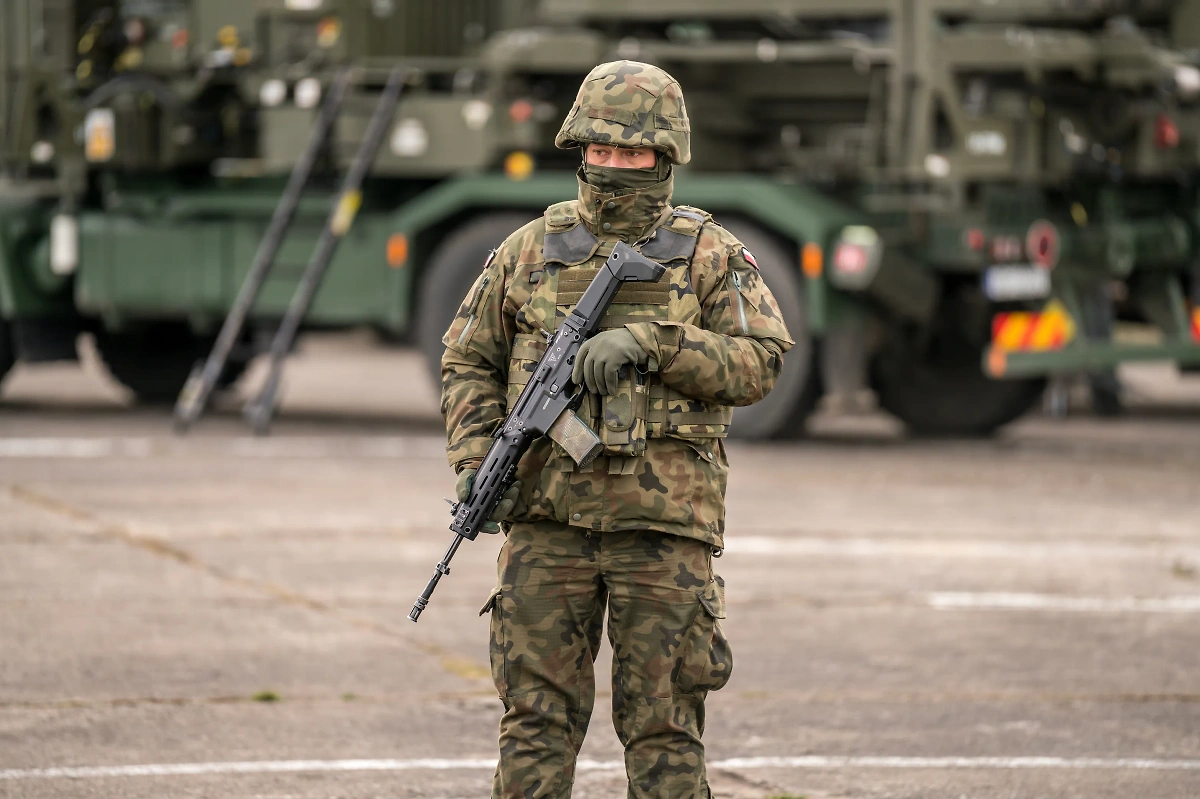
{"points": [[737, 763], [251, 767], [818, 761], [949, 600], [74, 447], [801, 545], [387, 448]]}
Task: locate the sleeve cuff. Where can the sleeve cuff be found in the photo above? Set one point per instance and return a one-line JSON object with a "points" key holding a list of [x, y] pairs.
{"points": [[660, 340], [473, 448]]}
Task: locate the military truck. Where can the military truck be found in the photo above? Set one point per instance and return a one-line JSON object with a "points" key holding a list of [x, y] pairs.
{"points": [[951, 199]]}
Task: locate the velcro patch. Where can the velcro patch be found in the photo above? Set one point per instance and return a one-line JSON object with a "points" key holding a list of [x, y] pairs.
{"points": [[749, 258]]}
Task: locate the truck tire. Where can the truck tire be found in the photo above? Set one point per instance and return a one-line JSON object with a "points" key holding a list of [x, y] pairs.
{"points": [[154, 361], [455, 264], [7, 357], [783, 412], [938, 388]]}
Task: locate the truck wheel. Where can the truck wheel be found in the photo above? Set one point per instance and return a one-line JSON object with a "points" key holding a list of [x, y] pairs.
{"points": [[783, 413], [7, 358], [933, 381], [154, 361], [452, 270]]}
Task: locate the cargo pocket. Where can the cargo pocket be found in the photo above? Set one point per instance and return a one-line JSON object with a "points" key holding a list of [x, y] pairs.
{"points": [[462, 327], [705, 661], [623, 415], [497, 641]]}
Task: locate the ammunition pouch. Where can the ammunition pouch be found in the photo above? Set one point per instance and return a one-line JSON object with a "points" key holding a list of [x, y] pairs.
{"points": [[622, 426]]}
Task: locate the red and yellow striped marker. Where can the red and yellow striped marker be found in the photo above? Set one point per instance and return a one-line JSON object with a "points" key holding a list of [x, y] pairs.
{"points": [[1196, 323], [1051, 328]]}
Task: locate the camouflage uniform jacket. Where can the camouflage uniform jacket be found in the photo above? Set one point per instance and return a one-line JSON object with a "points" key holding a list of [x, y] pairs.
{"points": [[715, 338]]}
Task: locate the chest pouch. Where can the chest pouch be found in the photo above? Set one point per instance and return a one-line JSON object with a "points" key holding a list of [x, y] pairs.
{"points": [[623, 427], [619, 419]]}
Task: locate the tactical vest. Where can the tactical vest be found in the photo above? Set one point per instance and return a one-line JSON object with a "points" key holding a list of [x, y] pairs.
{"points": [[643, 406]]}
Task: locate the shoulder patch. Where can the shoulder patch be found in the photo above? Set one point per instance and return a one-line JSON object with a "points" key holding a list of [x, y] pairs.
{"points": [[749, 257], [488, 262]]}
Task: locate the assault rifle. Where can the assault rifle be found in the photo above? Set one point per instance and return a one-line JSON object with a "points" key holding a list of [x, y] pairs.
{"points": [[546, 406]]}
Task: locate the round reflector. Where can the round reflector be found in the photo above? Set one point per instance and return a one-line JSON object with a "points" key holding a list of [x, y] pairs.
{"points": [[520, 111], [850, 259], [1041, 244]]}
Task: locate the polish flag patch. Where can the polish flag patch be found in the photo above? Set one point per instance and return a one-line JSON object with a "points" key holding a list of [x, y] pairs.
{"points": [[749, 256]]}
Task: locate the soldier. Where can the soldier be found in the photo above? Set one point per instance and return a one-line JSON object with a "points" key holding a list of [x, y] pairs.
{"points": [[636, 530]]}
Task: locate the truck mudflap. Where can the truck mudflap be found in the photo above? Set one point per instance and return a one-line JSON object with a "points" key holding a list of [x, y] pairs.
{"points": [[1032, 343]]}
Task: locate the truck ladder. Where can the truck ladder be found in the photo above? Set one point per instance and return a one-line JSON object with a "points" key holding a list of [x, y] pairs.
{"points": [[196, 392], [259, 410]]}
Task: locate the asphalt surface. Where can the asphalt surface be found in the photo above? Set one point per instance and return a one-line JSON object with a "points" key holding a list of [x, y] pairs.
{"points": [[224, 615]]}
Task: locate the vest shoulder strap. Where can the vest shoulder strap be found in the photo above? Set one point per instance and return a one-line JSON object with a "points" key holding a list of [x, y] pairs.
{"points": [[567, 241], [687, 217], [676, 238]]}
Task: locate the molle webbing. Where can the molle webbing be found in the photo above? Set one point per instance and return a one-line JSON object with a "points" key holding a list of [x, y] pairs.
{"points": [[528, 346], [573, 282], [635, 302], [668, 411]]}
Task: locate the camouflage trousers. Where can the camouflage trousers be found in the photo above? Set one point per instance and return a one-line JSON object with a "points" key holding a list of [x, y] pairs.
{"points": [[547, 615]]}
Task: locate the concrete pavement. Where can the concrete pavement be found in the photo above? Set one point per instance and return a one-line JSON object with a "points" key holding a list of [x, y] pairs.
{"points": [[1017, 617]]}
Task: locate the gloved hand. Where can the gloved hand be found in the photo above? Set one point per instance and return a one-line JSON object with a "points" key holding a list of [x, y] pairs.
{"points": [[508, 500], [601, 357]]}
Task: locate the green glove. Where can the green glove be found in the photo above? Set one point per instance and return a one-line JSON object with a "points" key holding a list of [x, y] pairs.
{"points": [[508, 500], [601, 357]]}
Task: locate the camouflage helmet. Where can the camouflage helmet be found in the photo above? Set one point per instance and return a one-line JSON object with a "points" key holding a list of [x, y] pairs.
{"points": [[629, 104]]}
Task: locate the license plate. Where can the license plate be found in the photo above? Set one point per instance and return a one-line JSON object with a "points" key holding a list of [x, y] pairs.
{"points": [[1019, 282]]}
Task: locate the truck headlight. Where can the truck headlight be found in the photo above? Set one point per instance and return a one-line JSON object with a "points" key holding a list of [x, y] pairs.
{"points": [[1187, 81], [409, 138], [308, 93], [273, 92]]}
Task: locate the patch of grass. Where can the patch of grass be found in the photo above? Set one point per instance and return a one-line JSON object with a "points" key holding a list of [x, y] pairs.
{"points": [[785, 796], [266, 696], [349, 697], [1184, 570], [465, 668]]}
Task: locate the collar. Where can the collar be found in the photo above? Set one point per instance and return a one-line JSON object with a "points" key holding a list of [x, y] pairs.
{"points": [[628, 216]]}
